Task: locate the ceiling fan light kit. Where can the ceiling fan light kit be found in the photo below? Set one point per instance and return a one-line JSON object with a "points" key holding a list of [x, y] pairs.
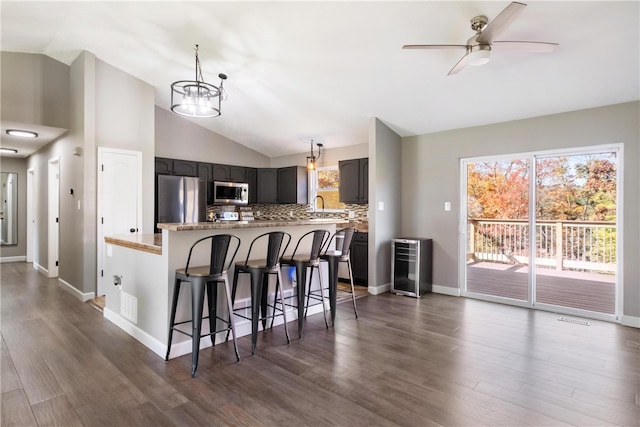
{"points": [[478, 47], [196, 98]]}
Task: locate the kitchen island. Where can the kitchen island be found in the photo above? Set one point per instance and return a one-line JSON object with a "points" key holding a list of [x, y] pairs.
{"points": [[140, 272]]}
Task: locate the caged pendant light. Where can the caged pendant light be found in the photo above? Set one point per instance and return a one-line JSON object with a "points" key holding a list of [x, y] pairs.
{"points": [[196, 98], [312, 160]]}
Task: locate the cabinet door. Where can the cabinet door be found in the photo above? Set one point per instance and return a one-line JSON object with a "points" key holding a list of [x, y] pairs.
{"points": [[205, 171], [292, 185], [185, 168], [267, 185], [221, 172], [164, 166], [238, 173], [252, 180], [363, 186], [349, 171], [360, 258]]}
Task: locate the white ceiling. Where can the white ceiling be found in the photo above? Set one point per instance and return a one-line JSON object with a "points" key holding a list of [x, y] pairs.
{"points": [[319, 70]]}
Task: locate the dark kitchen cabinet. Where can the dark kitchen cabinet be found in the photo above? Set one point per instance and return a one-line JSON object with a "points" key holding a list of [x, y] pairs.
{"points": [[267, 185], [229, 173], [354, 180], [164, 166], [185, 167], [221, 173], [205, 171], [237, 174], [252, 180], [292, 185], [360, 258]]}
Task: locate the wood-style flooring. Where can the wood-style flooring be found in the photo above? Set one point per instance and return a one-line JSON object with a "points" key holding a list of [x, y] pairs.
{"points": [[439, 360]]}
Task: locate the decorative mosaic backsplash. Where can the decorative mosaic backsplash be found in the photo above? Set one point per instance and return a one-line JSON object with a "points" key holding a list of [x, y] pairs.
{"points": [[284, 212]]}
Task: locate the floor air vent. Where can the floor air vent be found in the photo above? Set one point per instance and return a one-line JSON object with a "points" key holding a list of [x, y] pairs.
{"points": [[576, 321]]}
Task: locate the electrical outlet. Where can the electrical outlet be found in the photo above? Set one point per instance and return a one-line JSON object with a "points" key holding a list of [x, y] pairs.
{"points": [[352, 214]]}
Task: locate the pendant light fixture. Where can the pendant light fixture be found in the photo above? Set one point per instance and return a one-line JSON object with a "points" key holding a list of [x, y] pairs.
{"points": [[196, 98], [312, 160]]}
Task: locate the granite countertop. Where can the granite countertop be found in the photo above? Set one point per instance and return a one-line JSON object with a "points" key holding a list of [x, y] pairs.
{"points": [[248, 224], [151, 243]]}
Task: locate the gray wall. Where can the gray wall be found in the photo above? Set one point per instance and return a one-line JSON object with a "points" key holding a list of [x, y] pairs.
{"points": [[431, 177], [97, 94], [384, 188], [19, 166], [37, 88], [180, 138]]}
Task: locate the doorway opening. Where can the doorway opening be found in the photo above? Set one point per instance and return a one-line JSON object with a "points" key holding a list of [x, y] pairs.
{"points": [[542, 230]]}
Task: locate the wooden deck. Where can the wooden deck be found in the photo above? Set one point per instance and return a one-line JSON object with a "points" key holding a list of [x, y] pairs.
{"points": [[585, 291]]}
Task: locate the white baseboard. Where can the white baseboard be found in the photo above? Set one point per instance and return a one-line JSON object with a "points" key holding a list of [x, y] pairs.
{"points": [[13, 259], [153, 344], [84, 297], [446, 290], [40, 269], [632, 321], [380, 289]]}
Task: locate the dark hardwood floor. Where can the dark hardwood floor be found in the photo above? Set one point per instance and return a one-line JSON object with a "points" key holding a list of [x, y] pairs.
{"points": [[439, 360]]}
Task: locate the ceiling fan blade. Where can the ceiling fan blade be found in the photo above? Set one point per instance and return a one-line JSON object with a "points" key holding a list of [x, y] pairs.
{"points": [[459, 65], [434, 46], [501, 22], [529, 47]]}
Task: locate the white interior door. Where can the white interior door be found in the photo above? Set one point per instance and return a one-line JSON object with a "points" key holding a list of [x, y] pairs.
{"points": [[119, 199], [53, 217]]}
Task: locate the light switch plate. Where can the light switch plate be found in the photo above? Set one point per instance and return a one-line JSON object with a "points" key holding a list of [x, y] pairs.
{"points": [[447, 206]]}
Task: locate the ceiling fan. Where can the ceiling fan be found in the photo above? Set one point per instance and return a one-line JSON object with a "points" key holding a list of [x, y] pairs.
{"points": [[479, 46]]}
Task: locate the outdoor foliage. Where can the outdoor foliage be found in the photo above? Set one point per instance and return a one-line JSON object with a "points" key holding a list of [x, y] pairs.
{"points": [[568, 188], [571, 189]]}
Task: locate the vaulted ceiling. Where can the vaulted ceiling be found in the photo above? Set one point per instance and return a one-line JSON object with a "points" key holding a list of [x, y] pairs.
{"points": [[319, 70]]}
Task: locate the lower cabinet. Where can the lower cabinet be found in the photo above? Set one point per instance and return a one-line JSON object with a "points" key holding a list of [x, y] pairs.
{"points": [[360, 258]]}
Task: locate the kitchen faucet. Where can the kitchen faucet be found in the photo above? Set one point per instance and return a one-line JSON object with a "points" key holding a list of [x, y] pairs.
{"points": [[314, 204]]}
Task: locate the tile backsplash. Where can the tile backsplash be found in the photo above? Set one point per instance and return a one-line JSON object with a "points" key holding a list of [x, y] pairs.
{"points": [[293, 211]]}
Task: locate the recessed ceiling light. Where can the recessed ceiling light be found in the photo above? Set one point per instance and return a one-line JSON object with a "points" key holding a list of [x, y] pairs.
{"points": [[8, 150], [22, 133]]}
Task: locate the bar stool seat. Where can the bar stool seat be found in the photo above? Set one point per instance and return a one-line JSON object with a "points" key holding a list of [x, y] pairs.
{"points": [[259, 271], [201, 278]]}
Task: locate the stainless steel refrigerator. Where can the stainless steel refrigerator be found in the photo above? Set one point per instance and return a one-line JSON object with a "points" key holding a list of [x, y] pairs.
{"points": [[181, 199]]}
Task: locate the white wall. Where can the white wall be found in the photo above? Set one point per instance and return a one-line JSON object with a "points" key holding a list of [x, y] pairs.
{"points": [[430, 177]]}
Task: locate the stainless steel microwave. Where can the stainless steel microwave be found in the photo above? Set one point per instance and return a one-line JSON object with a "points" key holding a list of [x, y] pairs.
{"points": [[229, 193]]}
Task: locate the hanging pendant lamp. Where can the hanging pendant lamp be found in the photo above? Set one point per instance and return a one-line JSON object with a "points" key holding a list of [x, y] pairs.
{"points": [[312, 160], [196, 98]]}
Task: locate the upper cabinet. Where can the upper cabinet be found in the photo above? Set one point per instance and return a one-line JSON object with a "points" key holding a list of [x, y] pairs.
{"points": [[354, 180], [229, 173], [164, 166], [185, 167], [205, 171], [292, 185], [267, 185]]}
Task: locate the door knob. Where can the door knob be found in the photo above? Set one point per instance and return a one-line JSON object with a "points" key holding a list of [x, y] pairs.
{"points": [[132, 230]]}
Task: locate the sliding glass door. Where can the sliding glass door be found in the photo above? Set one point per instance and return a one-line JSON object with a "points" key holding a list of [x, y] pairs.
{"points": [[497, 228], [576, 231], [541, 230]]}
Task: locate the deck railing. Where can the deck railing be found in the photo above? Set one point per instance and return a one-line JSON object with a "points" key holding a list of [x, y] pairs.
{"points": [[573, 245]]}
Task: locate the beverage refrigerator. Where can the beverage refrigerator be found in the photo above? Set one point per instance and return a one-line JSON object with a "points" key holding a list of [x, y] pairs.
{"points": [[411, 266]]}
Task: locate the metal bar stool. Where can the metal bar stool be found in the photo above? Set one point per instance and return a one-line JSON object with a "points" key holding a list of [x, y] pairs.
{"points": [[199, 277], [259, 270], [342, 239], [304, 263]]}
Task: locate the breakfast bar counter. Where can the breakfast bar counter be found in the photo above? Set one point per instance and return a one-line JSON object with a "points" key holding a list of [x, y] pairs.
{"points": [[140, 271]]}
